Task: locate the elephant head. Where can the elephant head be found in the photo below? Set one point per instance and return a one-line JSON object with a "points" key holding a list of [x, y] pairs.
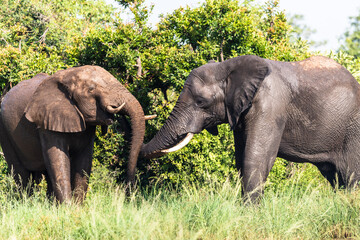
{"points": [[213, 94], [73, 99]]}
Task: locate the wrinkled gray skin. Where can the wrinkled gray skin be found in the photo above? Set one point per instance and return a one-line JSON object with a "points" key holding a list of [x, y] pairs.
{"points": [[47, 126], [306, 111]]}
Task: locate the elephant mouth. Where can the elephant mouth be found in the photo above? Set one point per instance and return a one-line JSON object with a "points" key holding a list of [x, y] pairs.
{"points": [[110, 113], [109, 121]]}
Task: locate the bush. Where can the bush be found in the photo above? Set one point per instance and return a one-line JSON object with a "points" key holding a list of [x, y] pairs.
{"points": [[348, 61]]}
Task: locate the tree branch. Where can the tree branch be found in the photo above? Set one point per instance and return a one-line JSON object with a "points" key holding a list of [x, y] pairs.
{"points": [[222, 50], [43, 36], [138, 65]]}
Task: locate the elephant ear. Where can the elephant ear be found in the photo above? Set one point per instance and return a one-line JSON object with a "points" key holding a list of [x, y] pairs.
{"points": [[246, 74], [51, 107]]}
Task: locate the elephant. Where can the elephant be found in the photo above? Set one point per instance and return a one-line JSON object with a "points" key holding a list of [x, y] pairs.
{"points": [[305, 111], [48, 123]]}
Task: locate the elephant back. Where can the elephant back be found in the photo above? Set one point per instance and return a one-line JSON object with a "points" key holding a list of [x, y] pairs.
{"points": [[16, 100]]}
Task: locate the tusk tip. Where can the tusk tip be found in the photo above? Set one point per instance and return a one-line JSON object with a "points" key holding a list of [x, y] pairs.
{"points": [[149, 117]]}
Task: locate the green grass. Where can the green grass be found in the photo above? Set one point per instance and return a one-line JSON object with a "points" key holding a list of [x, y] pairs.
{"points": [[192, 211]]}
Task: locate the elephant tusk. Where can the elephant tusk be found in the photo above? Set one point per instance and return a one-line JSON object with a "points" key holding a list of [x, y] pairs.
{"points": [[180, 145], [149, 117], [112, 110]]}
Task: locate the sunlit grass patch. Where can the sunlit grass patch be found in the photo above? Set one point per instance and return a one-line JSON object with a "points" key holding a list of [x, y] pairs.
{"points": [[191, 211]]}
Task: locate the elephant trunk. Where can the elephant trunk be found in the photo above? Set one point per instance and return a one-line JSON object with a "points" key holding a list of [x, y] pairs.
{"points": [[133, 109], [168, 138]]}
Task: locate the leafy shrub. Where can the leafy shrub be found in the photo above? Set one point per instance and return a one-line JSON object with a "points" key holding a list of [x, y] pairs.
{"points": [[111, 150], [348, 61]]}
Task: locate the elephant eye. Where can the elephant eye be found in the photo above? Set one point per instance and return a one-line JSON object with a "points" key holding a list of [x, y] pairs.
{"points": [[91, 88], [201, 102]]}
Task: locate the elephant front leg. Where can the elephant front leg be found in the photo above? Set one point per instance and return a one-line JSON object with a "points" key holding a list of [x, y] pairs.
{"points": [[81, 168], [57, 162], [256, 149]]}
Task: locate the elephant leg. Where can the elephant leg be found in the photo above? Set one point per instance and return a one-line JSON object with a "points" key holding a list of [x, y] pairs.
{"points": [[256, 150], [328, 170], [80, 172], [239, 140], [20, 173], [57, 163], [49, 188], [348, 165]]}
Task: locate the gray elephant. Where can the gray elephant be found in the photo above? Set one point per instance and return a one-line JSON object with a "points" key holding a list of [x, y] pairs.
{"points": [[47, 126], [307, 111]]}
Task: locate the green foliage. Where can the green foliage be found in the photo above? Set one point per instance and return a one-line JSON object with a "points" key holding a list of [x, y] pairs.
{"points": [[205, 157], [3, 168], [225, 29], [352, 38], [38, 36], [350, 62], [304, 173], [301, 31], [16, 66], [51, 23], [111, 150]]}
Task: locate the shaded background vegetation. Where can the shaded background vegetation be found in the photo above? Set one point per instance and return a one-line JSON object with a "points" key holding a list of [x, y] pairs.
{"points": [[153, 63]]}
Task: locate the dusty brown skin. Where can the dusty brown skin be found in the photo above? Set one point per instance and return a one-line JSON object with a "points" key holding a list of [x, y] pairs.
{"points": [[47, 126], [307, 111]]}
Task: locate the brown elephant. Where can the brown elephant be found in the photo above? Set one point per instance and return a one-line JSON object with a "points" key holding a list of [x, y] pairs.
{"points": [[47, 126]]}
